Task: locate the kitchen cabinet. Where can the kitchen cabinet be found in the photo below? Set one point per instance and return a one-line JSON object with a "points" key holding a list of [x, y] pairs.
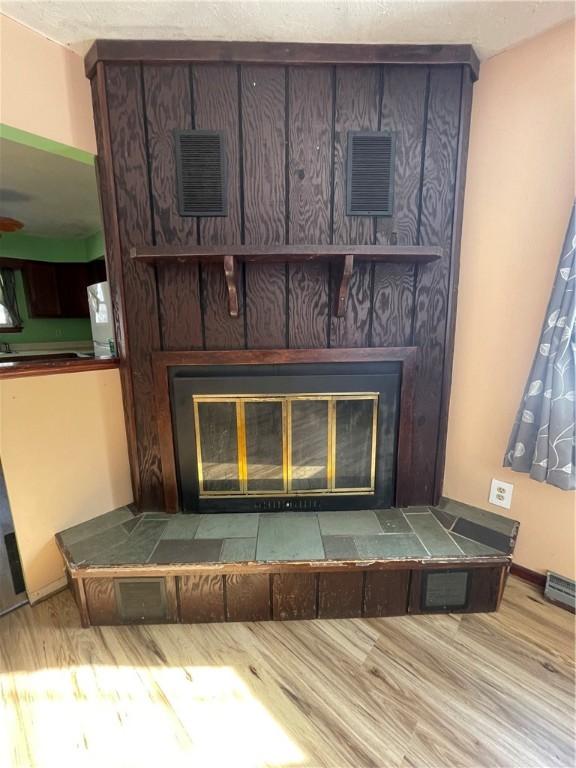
{"points": [[59, 290]]}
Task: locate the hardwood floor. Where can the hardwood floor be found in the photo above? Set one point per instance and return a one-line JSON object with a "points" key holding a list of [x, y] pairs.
{"points": [[490, 690]]}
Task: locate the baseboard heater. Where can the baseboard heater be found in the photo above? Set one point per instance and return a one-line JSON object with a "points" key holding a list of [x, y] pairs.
{"points": [[560, 590]]}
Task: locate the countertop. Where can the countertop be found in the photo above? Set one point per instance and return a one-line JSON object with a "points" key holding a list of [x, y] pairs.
{"points": [[29, 364]]}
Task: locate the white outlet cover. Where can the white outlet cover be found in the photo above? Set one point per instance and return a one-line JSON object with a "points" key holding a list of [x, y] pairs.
{"points": [[501, 493]]}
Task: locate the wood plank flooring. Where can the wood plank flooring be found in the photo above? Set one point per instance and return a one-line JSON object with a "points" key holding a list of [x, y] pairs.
{"points": [[494, 690]]}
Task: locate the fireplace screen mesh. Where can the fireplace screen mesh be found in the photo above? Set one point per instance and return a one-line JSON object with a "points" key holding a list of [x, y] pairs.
{"points": [[274, 445]]}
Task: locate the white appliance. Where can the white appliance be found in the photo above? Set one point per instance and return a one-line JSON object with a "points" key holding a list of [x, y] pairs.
{"points": [[101, 320]]}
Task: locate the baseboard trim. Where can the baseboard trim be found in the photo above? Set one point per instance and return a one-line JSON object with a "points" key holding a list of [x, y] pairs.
{"points": [[527, 575], [48, 590]]}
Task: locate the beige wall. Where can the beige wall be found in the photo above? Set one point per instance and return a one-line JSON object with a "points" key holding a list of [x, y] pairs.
{"points": [[43, 88], [64, 455], [518, 197]]}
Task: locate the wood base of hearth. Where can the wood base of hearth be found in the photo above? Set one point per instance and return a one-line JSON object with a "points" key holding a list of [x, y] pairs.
{"points": [[189, 594]]}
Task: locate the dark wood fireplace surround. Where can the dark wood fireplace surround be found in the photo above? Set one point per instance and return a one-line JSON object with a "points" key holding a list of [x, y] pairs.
{"points": [[286, 275]]}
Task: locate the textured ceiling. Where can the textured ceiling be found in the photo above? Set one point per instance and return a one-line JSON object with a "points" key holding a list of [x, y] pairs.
{"points": [[490, 26], [53, 196]]}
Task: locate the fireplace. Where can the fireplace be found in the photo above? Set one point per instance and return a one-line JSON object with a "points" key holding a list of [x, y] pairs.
{"points": [[321, 431]]}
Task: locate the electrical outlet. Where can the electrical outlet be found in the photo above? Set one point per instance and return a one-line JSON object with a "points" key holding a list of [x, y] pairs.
{"points": [[501, 493]]}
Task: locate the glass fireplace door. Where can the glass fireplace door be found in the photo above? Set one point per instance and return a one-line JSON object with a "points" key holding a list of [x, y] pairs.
{"points": [[274, 445]]}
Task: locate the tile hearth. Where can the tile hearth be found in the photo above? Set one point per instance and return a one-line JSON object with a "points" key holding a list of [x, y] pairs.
{"points": [[414, 533]]}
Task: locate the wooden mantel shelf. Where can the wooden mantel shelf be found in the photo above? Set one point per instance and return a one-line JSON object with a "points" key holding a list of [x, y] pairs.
{"points": [[399, 254], [344, 255]]}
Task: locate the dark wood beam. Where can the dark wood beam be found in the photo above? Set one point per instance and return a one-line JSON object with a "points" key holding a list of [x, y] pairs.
{"points": [[174, 51], [407, 254]]}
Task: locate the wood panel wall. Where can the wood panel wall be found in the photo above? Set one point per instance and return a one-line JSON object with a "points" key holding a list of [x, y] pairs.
{"points": [[286, 132]]}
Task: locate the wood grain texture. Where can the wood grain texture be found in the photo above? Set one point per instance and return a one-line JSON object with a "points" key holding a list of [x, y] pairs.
{"points": [[393, 305], [431, 300], [263, 102], [263, 113], [310, 154], [463, 141], [294, 596], [340, 595], [169, 108], [353, 329], [107, 197], [216, 108], [308, 308], [289, 252], [248, 597], [265, 305], [403, 114], [101, 601], [309, 167], [458, 690], [171, 593], [175, 51], [221, 330], [386, 593], [201, 598], [357, 100], [125, 104], [180, 308]]}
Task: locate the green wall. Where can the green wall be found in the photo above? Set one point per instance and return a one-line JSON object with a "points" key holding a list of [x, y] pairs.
{"points": [[43, 330]]}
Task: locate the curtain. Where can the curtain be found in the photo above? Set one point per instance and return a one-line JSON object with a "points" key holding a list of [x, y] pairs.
{"points": [[543, 439], [8, 297]]}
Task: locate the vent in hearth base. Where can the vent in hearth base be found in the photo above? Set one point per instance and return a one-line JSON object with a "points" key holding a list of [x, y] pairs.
{"points": [[141, 599], [201, 173], [370, 177]]}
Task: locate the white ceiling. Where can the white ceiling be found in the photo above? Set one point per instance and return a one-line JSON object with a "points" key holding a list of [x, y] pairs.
{"points": [[53, 196], [491, 26]]}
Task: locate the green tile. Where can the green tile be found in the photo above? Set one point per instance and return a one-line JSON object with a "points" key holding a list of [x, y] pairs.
{"points": [[433, 535], [98, 544], [181, 527], [415, 510], [349, 523], [499, 523], [138, 547], [289, 536], [228, 526], [393, 521], [129, 525], [238, 550], [96, 525], [474, 548], [340, 548], [183, 551], [389, 546]]}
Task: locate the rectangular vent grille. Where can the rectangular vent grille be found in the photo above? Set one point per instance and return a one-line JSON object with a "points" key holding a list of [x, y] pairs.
{"points": [[445, 590], [201, 173], [370, 177], [559, 589], [141, 599]]}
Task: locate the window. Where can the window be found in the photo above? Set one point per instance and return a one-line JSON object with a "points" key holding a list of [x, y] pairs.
{"points": [[9, 316]]}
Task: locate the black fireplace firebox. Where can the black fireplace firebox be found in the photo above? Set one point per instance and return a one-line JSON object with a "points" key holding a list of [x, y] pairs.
{"points": [[306, 436]]}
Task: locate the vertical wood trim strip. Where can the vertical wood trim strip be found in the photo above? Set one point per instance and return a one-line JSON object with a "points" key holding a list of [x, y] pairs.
{"points": [[462, 156], [404, 458], [108, 202], [124, 91], [431, 299], [165, 436]]}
